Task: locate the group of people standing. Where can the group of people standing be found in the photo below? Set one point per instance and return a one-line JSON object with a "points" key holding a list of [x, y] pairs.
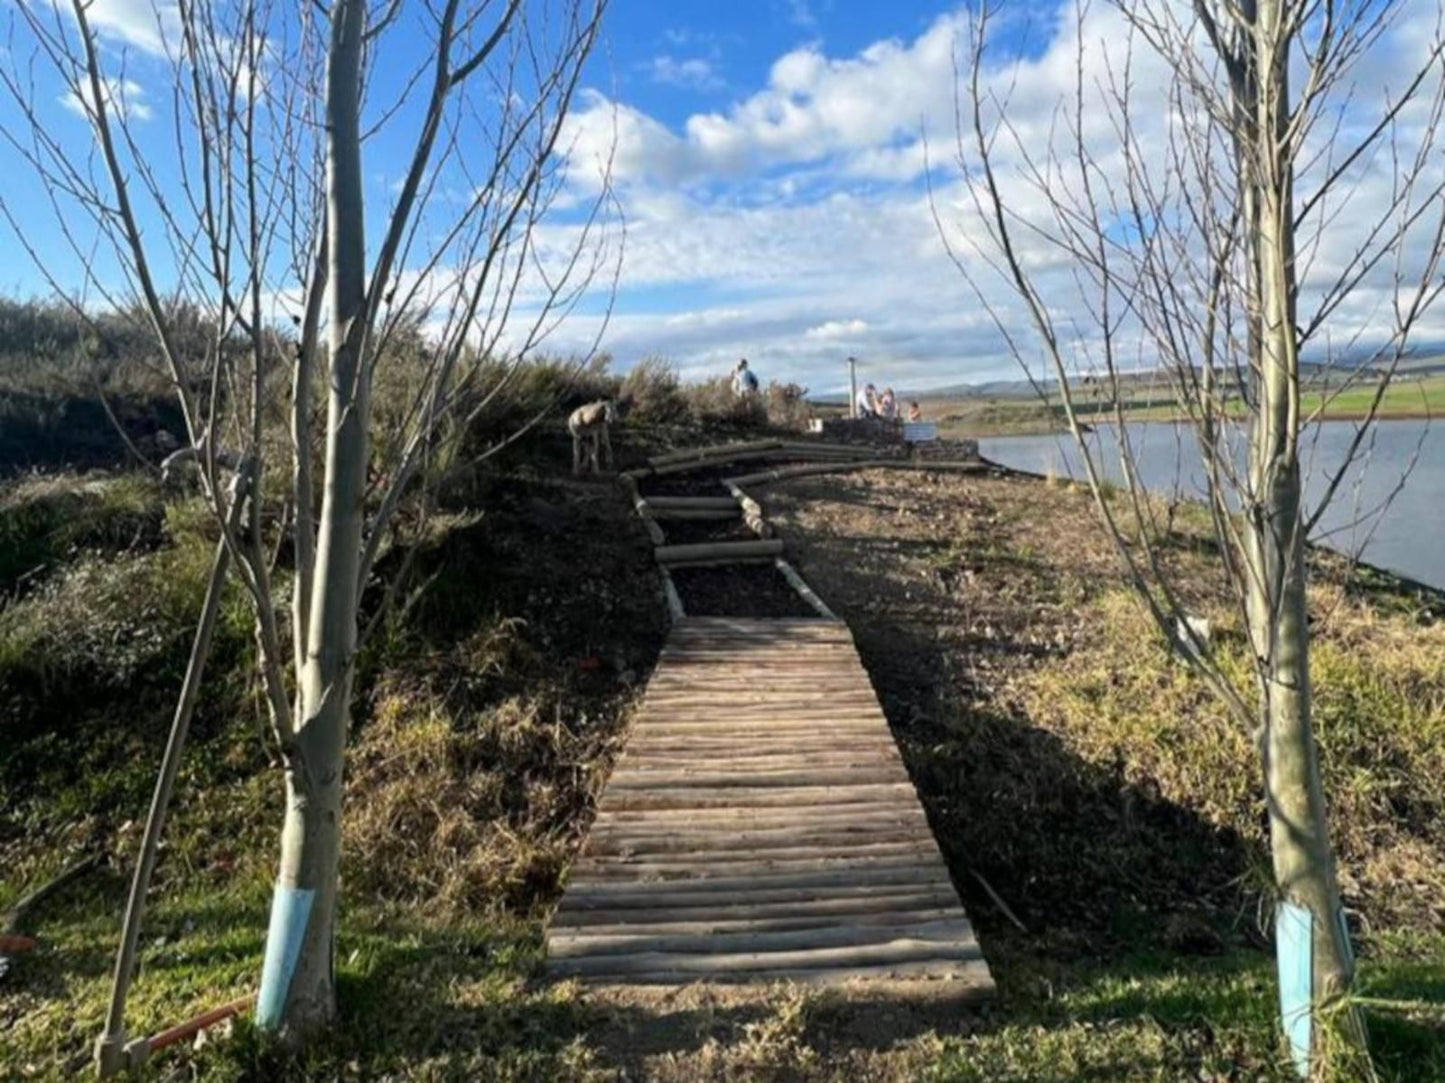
{"points": [[871, 404]]}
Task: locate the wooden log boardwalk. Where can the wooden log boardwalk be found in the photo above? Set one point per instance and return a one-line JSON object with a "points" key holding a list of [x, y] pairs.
{"points": [[761, 826]]}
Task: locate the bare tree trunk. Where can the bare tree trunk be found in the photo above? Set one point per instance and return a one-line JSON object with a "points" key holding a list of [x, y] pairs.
{"points": [[250, 167], [298, 991], [1302, 857], [1299, 828]]}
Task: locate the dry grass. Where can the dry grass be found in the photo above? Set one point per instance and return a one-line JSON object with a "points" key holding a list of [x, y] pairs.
{"points": [[472, 810], [1066, 756]]}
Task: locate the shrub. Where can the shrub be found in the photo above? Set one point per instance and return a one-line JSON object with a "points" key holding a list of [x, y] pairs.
{"points": [[655, 394], [788, 405], [108, 618], [500, 397], [713, 401]]}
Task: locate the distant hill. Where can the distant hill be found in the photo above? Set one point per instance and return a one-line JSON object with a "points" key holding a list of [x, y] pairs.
{"points": [[1424, 360]]}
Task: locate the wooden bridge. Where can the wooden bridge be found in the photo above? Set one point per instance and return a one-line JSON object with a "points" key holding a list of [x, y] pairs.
{"points": [[761, 826]]}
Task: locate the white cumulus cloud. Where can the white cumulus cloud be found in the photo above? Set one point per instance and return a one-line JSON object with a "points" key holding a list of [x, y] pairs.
{"points": [[871, 106], [793, 225], [149, 25], [836, 329]]}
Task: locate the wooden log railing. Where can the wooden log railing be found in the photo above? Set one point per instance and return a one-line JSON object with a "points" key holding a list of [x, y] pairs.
{"points": [[820, 458], [819, 455]]}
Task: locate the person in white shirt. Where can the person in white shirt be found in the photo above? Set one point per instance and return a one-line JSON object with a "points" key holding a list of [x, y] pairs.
{"points": [[744, 381], [868, 402]]}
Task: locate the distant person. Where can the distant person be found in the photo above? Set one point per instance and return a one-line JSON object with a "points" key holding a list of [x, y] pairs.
{"points": [[745, 381], [888, 405], [914, 412], [868, 401]]}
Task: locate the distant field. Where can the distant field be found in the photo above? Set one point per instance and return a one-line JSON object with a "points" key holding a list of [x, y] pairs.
{"points": [[987, 416]]}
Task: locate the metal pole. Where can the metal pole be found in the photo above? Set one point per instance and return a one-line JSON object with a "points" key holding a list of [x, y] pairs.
{"points": [[852, 387], [112, 1052]]}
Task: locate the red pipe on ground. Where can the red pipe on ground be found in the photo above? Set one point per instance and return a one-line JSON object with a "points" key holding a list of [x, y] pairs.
{"points": [[201, 1022]]}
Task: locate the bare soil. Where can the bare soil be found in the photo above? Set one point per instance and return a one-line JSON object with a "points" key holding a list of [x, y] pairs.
{"points": [[736, 590], [740, 590]]}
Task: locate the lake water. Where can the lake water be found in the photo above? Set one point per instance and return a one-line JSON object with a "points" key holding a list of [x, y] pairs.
{"points": [[1405, 534]]}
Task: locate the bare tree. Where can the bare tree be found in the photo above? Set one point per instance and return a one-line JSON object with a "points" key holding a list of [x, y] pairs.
{"points": [[1194, 184], [254, 206]]}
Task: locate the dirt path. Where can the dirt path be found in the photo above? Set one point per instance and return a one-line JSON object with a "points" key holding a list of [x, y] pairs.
{"points": [[709, 1031]]}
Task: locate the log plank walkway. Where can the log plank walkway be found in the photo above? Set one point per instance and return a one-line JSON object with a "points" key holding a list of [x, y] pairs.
{"points": [[761, 826]]}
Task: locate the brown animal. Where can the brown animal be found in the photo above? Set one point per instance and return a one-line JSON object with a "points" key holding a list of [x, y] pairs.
{"points": [[588, 426]]}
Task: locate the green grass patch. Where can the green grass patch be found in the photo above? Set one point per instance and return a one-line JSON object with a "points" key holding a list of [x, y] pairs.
{"points": [[1405, 397], [46, 521]]}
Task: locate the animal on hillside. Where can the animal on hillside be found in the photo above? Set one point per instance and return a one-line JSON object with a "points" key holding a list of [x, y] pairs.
{"points": [[589, 428]]}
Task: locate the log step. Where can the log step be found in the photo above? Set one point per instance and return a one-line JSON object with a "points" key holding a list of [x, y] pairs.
{"points": [[718, 514], [692, 503], [698, 454], [763, 549]]}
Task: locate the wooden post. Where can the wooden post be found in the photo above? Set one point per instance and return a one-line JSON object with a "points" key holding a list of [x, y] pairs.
{"points": [[853, 387], [752, 511], [111, 1046], [643, 511], [673, 598]]}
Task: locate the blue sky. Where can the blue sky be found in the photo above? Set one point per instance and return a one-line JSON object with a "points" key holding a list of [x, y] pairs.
{"points": [[673, 60], [770, 165], [768, 157], [775, 159]]}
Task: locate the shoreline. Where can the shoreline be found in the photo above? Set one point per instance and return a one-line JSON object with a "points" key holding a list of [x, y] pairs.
{"points": [[1026, 428], [1405, 583]]}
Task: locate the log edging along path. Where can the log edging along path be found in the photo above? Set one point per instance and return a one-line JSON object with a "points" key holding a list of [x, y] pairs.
{"points": [[819, 458], [760, 825]]}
